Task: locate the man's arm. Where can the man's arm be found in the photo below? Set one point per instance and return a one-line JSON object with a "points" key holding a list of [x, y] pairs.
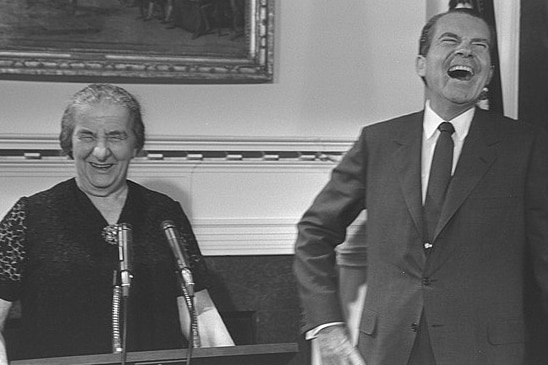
{"points": [[211, 328], [4, 311], [321, 229]]}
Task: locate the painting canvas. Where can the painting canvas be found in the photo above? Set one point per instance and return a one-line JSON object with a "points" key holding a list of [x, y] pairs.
{"points": [[137, 40]]}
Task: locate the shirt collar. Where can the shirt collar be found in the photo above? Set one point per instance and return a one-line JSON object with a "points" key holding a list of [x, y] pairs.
{"points": [[461, 123]]}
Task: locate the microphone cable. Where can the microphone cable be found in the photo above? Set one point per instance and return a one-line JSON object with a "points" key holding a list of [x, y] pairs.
{"points": [[193, 337], [125, 305], [120, 305], [120, 235]]}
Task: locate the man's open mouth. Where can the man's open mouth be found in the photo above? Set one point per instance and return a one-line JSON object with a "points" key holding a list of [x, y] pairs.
{"points": [[463, 73]]}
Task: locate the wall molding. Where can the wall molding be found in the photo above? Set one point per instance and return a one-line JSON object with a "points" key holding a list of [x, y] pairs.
{"points": [[50, 142], [258, 236], [245, 206]]}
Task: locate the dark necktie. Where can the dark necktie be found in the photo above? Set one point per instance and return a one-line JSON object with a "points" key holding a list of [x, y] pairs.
{"points": [[440, 175]]}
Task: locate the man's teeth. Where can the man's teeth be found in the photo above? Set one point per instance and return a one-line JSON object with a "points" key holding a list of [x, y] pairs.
{"points": [[101, 166], [461, 72], [461, 68]]}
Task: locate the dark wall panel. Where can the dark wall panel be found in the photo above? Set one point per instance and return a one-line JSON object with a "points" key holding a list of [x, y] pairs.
{"points": [[533, 69], [257, 297]]}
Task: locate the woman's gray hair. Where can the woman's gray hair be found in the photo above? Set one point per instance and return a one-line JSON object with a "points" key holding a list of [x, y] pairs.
{"points": [[96, 94]]}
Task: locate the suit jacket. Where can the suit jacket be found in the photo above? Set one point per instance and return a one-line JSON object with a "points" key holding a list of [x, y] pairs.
{"points": [[471, 284]]}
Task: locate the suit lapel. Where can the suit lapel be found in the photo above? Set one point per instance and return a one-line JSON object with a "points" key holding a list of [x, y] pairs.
{"points": [[477, 156], [407, 161]]}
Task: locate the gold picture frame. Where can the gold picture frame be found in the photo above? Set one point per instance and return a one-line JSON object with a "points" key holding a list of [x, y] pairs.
{"points": [[126, 41]]}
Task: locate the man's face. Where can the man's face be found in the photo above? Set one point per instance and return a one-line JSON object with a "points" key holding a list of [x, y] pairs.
{"points": [[458, 64], [103, 146]]}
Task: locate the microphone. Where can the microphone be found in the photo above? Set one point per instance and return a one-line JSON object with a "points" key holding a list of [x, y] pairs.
{"points": [[125, 255], [177, 244]]}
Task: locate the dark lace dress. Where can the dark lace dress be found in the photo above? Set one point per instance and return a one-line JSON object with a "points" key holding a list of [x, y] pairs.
{"points": [[54, 259]]}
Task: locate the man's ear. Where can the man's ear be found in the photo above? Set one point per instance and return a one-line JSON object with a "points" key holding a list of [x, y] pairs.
{"points": [[420, 66], [491, 73]]}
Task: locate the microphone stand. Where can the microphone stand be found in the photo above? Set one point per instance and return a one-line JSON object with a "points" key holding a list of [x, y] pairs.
{"points": [[120, 305], [177, 244], [117, 346], [187, 287], [120, 234]]}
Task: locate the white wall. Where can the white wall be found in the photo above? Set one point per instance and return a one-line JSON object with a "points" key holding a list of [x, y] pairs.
{"points": [[236, 208], [338, 66]]}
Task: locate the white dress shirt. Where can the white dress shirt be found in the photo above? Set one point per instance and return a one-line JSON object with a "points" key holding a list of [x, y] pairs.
{"points": [[430, 136]]}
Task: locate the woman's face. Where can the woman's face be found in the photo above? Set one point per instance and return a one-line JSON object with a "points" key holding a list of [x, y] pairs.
{"points": [[103, 145]]}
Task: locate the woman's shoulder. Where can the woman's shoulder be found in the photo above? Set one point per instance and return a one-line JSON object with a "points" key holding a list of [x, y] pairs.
{"points": [[148, 195], [155, 205], [53, 193]]}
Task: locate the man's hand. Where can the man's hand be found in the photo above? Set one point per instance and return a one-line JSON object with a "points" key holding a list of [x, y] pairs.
{"points": [[336, 348]]}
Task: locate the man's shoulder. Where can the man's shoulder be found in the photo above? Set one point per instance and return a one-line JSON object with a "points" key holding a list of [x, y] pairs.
{"points": [[509, 126], [397, 122], [396, 125]]}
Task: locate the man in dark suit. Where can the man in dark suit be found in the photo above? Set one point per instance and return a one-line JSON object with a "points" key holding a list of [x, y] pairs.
{"points": [[447, 261]]}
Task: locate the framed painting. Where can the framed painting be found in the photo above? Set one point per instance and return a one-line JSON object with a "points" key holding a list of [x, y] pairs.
{"points": [[139, 41]]}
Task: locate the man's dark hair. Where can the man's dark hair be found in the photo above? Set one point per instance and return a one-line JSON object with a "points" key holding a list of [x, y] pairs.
{"points": [[427, 31]]}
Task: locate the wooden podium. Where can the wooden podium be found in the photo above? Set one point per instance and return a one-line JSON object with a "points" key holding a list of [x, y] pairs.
{"points": [[265, 354]]}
